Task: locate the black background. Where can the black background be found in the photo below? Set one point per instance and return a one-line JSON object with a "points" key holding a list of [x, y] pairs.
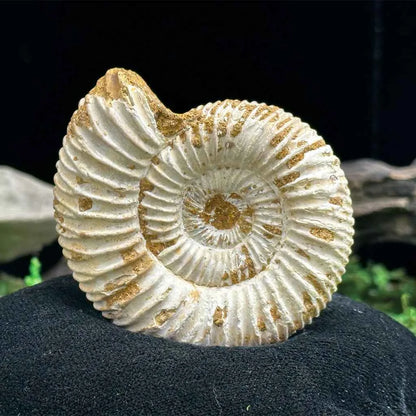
{"points": [[346, 68]]}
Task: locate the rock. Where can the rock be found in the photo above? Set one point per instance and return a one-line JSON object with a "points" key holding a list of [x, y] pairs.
{"points": [[10, 284], [59, 269], [26, 214]]}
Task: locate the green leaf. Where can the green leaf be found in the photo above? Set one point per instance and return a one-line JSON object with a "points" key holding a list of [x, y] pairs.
{"points": [[34, 269], [391, 291]]}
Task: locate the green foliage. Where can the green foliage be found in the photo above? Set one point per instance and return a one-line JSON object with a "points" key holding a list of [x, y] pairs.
{"points": [[408, 316], [9, 284], [34, 269], [390, 291]]}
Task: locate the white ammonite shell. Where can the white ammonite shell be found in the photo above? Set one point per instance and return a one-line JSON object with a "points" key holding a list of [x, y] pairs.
{"points": [[228, 225]]}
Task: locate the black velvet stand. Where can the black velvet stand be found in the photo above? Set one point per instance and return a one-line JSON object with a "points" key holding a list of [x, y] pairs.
{"points": [[58, 356]]}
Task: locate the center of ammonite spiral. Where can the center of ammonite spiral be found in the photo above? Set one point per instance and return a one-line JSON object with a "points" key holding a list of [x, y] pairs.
{"points": [[216, 218], [220, 213]]}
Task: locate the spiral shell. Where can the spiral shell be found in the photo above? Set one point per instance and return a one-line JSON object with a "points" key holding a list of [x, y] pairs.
{"points": [[228, 225]]}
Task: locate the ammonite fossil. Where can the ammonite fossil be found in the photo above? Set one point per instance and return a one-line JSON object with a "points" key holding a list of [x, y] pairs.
{"points": [[228, 225]]}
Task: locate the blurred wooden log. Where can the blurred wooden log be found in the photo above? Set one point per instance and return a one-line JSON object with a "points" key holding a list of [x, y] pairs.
{"points": [[384, 201]]}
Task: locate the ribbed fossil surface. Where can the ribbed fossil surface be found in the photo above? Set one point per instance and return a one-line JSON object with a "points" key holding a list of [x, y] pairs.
{"points": [[228, 225]]}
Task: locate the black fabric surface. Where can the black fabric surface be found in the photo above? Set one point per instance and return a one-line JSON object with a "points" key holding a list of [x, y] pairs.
{"points": [[60, 357]]}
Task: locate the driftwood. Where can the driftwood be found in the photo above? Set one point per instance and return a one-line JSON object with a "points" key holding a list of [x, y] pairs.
{"points": [[384, 201]]}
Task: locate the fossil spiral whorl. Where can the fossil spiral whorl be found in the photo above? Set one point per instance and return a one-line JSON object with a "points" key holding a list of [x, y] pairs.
{"points": [[228, 225]]}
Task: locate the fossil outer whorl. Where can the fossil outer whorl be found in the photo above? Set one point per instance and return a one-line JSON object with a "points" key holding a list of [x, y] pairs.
{"points": [[228, 225]]}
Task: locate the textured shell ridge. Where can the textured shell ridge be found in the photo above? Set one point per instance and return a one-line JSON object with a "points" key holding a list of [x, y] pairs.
{"points": [[230, 224]]}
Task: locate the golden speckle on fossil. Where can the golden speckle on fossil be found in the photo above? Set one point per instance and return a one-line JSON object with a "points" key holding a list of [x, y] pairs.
{"points": [[230, 224]]}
